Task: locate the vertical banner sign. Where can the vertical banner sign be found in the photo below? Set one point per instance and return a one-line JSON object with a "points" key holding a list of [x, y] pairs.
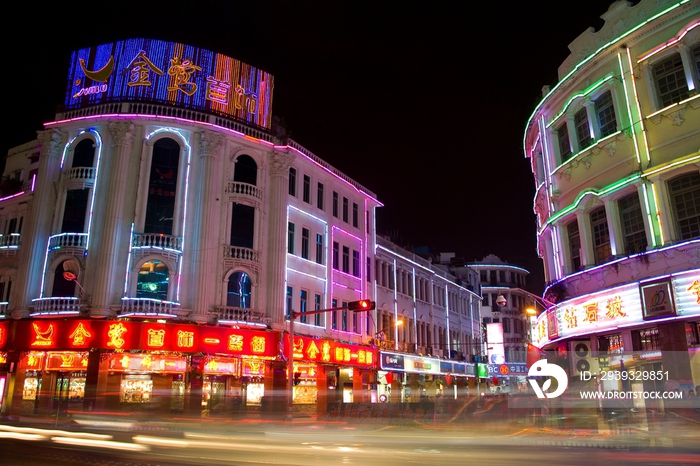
{"points": [[494, 338]]}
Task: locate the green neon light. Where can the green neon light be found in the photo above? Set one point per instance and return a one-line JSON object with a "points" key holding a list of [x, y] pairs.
{"points": [[590, 57], [583, 93]]}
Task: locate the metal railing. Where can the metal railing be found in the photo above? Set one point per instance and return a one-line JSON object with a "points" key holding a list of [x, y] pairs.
{"points": [[157, 241]]}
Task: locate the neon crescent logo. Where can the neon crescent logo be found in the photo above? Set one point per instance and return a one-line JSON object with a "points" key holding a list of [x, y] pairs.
{"points": [[542, 369]]}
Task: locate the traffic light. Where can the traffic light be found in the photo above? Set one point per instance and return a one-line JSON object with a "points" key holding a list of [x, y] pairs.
{"points": [[361, 305]]}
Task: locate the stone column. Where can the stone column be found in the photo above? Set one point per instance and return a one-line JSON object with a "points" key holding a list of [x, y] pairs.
{"points": [[38, 226], [114, 230], [276, 236], [207, 212]]}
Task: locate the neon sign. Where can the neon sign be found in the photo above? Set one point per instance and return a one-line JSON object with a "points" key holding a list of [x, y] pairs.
{"points": [[331, 351], [115, 335], [169, 73], [79, 335], [43, 337]]}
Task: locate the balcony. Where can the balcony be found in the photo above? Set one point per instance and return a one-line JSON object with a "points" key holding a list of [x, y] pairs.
{"points": [[9, 244], [236, 189], [234, 315], [149, 243], [50, 307], [149, 307], [237, 255], [79, 178], [73, 244]]}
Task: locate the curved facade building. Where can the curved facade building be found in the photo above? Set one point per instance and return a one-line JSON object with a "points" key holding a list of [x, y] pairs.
{"points": [[157, 234], [614, 147]]}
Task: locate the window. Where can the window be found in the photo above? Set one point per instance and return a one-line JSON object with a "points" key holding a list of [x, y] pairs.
{"points": [[336, 253], [355, 214], [369, 269], [319, 196], [645, 339], [334, 315], [346, 259], [302, 306], [152, 281], [583, 130], [506, 325], [632, 224], [601, 235], [307, 189], [344, 321], [245, 170], [696, 58], [317, 307], [238, 290], [345, 209], [564, 143], [670, 81], [292, 181], [290, 296], [356, 263], [319, 249], [242, 225], [605, 113], [684, 192], [290, 238], [574, 245], [335, 204], [304, 243]]}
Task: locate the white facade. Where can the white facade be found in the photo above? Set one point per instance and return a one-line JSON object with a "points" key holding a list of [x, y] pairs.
{"points": [[439, 313], [614, 152]]}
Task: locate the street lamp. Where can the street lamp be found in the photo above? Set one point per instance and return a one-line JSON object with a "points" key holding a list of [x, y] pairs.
{"points": [[353, 306], [501, 300], [393, 326]]}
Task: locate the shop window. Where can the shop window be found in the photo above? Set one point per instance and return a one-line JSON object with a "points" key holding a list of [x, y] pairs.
{"points": [[684, 192], [153, 280], [136, 389], [610, 344], [645, 339], [692, 333]]}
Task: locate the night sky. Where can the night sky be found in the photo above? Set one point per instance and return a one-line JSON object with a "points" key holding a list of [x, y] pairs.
{"points": [[424, 105]]}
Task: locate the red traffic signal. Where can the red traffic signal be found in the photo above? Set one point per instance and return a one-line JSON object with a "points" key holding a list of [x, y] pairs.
{"points": [[361, 305]]}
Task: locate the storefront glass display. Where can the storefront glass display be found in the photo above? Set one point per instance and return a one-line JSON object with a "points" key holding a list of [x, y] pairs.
{"points": [[31, 387], [136, 389]]}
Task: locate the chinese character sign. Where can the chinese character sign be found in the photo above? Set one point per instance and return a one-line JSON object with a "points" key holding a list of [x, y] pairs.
{"points": [[171, 73]]}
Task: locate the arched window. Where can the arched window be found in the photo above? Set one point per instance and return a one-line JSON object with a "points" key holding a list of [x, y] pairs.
{"points": [[153, 281], [84, 154], [238, 292], [162, 187], [61, 286], [245, 170]]}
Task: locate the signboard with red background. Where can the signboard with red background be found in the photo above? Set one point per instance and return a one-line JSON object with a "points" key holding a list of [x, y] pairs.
{"points": [[120, 335], [332, 352]]}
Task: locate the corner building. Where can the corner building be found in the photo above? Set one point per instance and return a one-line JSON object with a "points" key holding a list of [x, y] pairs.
{"points": [[157, 234], [614, 153]]}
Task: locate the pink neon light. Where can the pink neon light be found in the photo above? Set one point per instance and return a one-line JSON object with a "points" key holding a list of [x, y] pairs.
{"points": [[670, 42], [10, 197]]}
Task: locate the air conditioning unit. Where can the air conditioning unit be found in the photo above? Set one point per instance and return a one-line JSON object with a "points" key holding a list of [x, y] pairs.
{"points": [[582, 358]]}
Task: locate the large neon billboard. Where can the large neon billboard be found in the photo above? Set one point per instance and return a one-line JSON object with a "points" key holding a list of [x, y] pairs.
{"points": [[148, 70]]}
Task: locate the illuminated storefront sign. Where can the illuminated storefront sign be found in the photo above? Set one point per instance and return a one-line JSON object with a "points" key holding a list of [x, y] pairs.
{"points": [[118, 335], [418, 364], [66, 361], [170, 73], [502, 370], [123, 362], [657, 299], [332, 352], [4, 332], [222, 366]]}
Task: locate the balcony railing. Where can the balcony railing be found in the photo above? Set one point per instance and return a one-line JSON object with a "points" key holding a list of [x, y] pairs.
{"points": [[157, 241], [148, 307], [80, 173], [10, 241], [68, 240], [244, 189], [57, 306], [242, 254], [240, 314]]}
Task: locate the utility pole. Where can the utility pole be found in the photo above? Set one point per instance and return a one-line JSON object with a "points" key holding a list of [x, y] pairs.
{"points": [[353, 306]]}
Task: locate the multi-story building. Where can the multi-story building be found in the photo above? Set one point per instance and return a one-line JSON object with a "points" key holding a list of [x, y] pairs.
{"points": [[614, 153], [158, 233], [505, 322], [427, 318]]}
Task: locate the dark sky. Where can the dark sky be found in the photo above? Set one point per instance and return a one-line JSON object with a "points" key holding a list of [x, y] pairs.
{"points": [[424, 103]]}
